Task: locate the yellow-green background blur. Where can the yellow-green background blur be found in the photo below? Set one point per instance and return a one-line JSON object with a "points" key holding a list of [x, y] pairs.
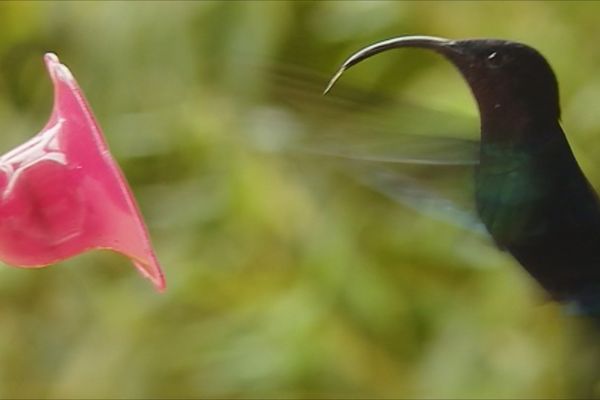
{"points": [[285, 278]]}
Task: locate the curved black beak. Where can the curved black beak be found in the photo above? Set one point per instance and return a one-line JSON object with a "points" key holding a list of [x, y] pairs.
{"points": [[441, 45]]}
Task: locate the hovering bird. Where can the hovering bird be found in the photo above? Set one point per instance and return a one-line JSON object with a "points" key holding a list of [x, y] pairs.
{"points": [[530, 192]]}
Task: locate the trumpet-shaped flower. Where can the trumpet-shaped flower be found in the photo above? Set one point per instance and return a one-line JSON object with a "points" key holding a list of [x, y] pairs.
{"points": [[62, 193]]}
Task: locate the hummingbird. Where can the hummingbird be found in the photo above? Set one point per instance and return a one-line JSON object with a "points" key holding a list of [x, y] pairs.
{"points": [[530, 193]]}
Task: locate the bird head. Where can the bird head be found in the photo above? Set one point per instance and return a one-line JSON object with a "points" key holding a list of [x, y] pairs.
{"points": [[510, 81]]}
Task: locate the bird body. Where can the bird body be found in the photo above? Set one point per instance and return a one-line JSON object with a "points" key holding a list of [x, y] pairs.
{"points": [[537, 204]]}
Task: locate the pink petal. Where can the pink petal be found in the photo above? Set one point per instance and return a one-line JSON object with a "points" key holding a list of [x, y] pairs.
{"points": [[62, 193]]}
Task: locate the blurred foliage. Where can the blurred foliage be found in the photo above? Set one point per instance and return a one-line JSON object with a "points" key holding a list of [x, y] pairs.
{"points": [[286, 278]]}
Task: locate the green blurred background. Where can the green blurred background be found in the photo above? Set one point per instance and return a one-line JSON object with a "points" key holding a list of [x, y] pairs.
{"points": [[286, 278]]}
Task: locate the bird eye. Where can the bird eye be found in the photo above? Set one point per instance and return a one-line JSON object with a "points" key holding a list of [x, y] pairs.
{"points": [[495, 60]]}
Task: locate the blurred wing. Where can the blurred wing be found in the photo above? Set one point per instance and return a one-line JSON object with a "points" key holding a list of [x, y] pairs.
{"points": [[448, 198], [389, 145]]}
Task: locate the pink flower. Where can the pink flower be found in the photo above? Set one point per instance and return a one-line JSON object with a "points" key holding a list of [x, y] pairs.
{"points": [[62, 193]]}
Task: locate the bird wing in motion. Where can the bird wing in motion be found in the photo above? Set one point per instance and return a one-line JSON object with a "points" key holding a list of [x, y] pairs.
{"points": [[391, 146]]}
